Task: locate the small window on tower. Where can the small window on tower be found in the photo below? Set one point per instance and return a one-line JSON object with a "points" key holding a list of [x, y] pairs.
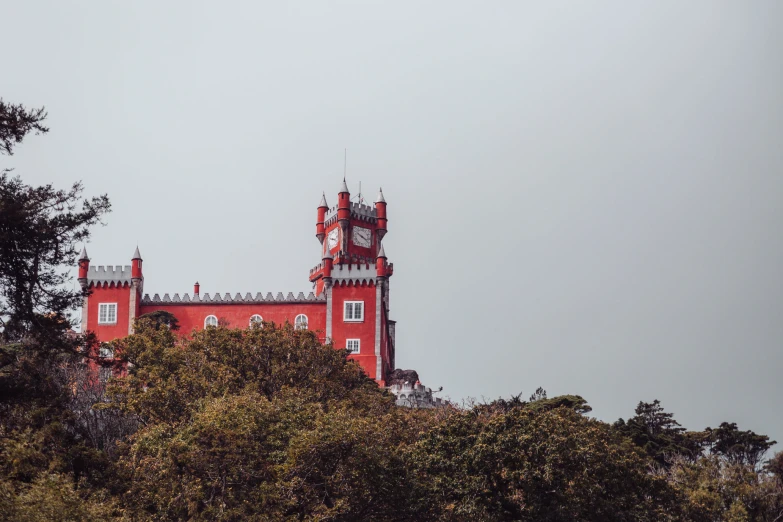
{"points": [[300, 323], [354, 311], [352, 345], [107, 313], [256, 319], [211, 320]]}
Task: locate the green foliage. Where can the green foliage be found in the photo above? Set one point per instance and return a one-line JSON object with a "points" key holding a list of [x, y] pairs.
{"points": [[39, 227], [736, 446], [161, 319], [658, 434], [52, 497], [775, 466], [544, 465], [237, 422], [16, 122], [714, 489]]}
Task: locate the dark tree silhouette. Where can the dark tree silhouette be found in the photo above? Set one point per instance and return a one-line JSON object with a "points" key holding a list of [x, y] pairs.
{"points": [[16, 122]]}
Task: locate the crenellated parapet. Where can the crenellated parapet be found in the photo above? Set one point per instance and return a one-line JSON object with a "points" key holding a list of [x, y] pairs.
{"points": [[360, 270], [109, 275], [236, 299], [358, 211]]}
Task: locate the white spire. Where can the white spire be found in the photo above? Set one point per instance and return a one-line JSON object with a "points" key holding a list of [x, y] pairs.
{"points": [[323, 201], [344, 187], [380, 198], [83, 255]]}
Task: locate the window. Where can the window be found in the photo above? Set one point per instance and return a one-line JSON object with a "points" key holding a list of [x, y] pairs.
{"points": [[107, 313], [105, 352], [104, 373], [256, 319], [211, 320], [352, 345], [300, 323], [354, 311]]}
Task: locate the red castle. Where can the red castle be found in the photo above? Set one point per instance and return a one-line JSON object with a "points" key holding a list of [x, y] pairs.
{"points": [[349, 305]]}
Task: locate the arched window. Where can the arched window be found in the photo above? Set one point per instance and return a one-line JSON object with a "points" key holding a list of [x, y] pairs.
{"points": [[256, 319], [211, 320], [300, 323]]}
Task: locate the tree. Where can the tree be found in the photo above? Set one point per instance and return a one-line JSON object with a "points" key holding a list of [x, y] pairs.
{"points": [[712, 489], [775, 466], [16, 122], [161, 318], [658, 434], [39, 228], [738, 447], [43, 443], [549, 465], [236, 423]]}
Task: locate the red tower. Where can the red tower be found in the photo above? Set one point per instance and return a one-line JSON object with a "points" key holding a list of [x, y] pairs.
{"points": [[355, 282]]}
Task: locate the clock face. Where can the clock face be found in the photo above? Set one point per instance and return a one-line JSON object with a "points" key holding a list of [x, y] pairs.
{"points": [[362, 237], [333, 238]]}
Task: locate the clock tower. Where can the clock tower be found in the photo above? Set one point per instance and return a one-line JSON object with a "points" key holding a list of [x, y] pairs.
{"points": [[353, 277]]}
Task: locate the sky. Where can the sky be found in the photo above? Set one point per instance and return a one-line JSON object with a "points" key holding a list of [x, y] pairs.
{"points": [[583, 196]]}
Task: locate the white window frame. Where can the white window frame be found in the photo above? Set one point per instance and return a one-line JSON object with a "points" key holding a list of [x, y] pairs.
{"points": [[107, 307], [356, 342], [352, 317], [259, 321], [297, 326], [207, 318]]}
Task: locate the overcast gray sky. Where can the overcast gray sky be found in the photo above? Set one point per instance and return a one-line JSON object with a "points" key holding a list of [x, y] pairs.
{"points": [[584, 196]]}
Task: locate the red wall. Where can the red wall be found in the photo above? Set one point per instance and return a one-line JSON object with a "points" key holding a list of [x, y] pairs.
{"points": [[191, 316], [364, 331], [121, 296]]}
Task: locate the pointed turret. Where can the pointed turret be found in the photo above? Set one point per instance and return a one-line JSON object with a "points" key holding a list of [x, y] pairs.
{"points": [[319, 224], [343, 213], [84, 267], [380, 212], [136, 264], [380, 262], [328, 262]]}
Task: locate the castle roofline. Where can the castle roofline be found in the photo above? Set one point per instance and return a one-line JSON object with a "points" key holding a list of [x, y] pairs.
{"points": [[248, 298]]}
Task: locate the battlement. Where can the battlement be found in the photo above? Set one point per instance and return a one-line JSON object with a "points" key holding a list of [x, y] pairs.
{"points": [[362, 271], [227, 299], [363, 212], [109, 274], [359, 211]]}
